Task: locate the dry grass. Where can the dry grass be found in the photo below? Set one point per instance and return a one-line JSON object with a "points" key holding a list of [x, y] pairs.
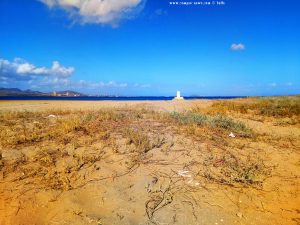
{"points": [[25, 128], [77, 129], [74, 148], [220, 122], [140, 140], [231, 170], [277, 107]]}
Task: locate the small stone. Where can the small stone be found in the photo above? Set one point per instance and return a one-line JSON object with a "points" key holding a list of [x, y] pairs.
{"points": [[51, 116], [231, 135], [239, 214]]}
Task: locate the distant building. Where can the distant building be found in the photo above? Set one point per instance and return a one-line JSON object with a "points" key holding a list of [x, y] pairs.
{"points": [[178, 97]]}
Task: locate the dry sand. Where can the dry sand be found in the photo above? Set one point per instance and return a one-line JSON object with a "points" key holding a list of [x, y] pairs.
{"points": [[84, 105], [157, 191]]}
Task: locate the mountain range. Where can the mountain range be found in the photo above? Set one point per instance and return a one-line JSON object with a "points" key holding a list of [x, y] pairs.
{"points": [[28, 92]]}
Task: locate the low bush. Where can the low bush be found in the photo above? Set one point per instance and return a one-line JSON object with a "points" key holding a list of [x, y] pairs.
{"points": [[219, 121]]}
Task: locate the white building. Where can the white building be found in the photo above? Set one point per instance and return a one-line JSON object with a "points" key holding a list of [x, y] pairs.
{"points": [[178, 97]]}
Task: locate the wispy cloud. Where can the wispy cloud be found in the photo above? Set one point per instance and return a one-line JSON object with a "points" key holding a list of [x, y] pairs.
{"points": [[237, 47], [273, 84], [137, 85], [98, 11], [97, 85], [160, 12]]}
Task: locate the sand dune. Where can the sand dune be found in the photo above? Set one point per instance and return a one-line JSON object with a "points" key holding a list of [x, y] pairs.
{"points": [[142, 163]]}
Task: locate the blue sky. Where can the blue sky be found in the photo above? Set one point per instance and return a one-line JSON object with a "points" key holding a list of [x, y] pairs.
{"points": [[139, 47]]}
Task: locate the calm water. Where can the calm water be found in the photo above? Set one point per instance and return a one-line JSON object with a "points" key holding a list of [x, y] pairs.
{"points": [[88, 98]]}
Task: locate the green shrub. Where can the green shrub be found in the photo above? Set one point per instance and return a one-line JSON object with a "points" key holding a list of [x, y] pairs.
{"points": [[218, 121]]}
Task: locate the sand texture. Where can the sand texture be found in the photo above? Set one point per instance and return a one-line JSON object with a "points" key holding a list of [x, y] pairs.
{"points": [[140, 163]]}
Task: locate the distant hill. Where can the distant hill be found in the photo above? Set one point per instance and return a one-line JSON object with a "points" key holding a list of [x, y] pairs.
{"points": [[28, 92], [17, 91]]}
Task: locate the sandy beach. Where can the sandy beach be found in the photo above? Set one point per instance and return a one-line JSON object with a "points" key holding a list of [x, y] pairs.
{"points": [[166, 106], [139, 112], [149, 162]]}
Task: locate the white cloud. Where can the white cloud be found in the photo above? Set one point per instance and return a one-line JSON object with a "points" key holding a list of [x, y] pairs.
{"points": [[98, 11], [21, 68], [21, 73], [59, 70], [238, 47]]}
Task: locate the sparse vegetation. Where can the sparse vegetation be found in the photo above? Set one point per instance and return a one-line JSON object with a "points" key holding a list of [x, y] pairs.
{"points": [[229, 169], [212, 122], [21, 128], [71, 149], [140, 140], [82, 129], [278, 107]]}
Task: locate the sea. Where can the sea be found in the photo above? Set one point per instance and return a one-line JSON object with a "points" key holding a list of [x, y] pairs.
{"points": [[104, 98]]}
